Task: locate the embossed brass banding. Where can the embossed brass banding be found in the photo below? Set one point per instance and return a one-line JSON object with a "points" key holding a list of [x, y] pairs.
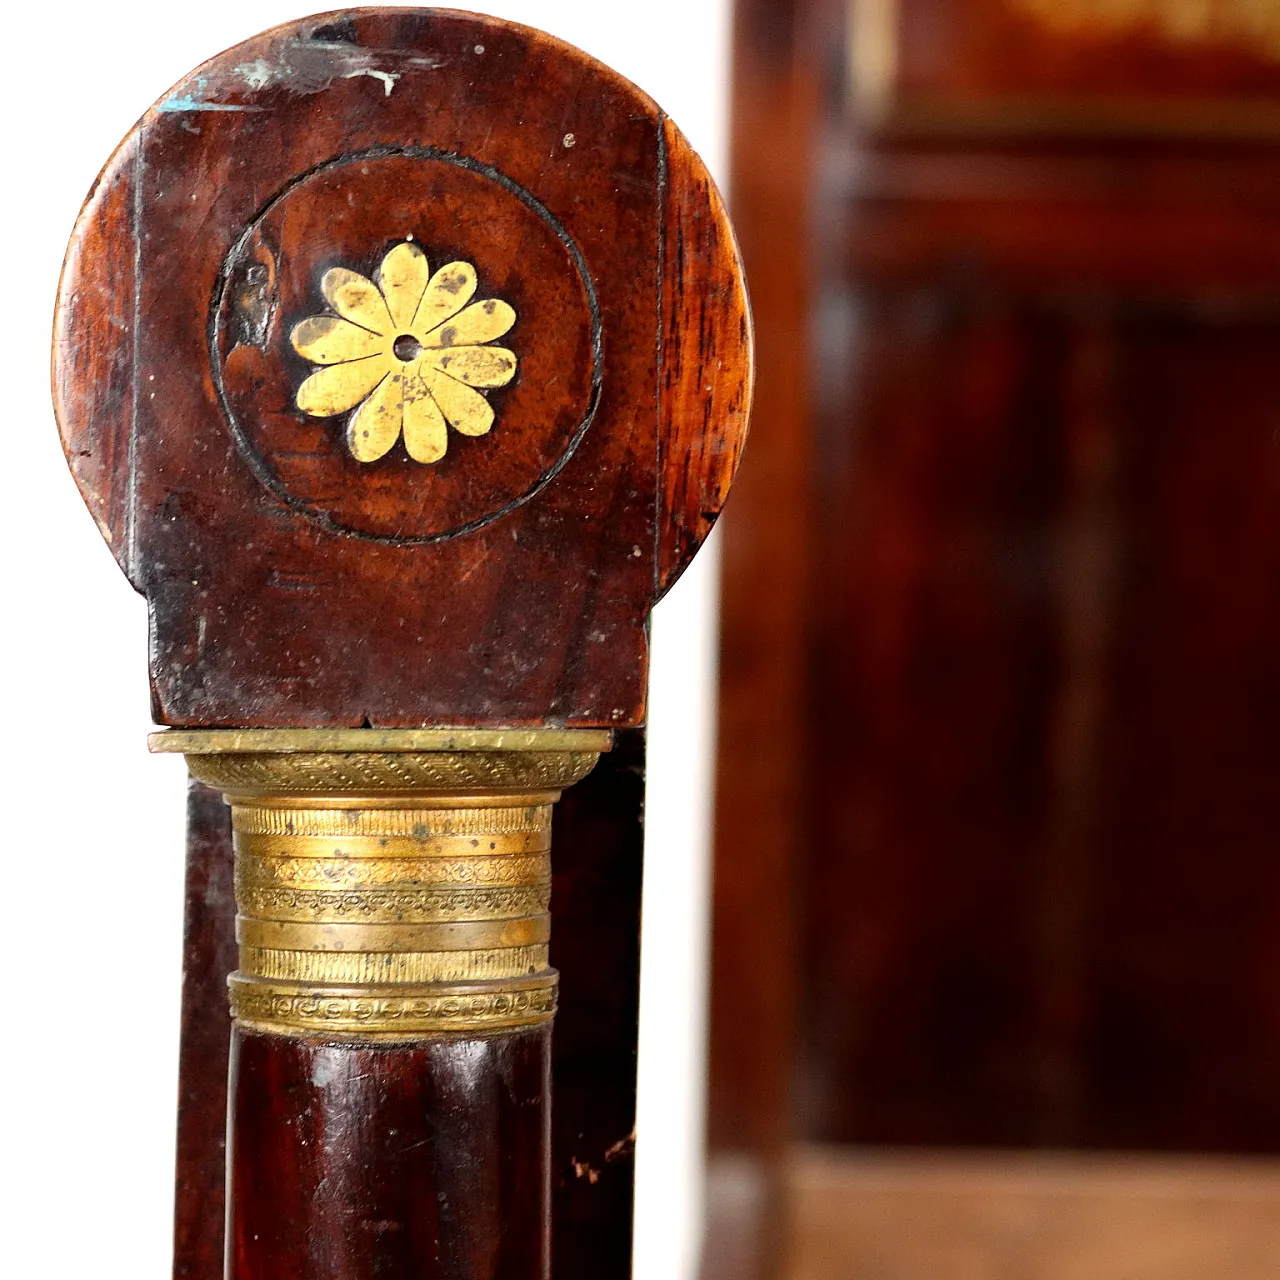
{"points": [[350, 846], [390, 1012], [419, 824], [317, 873], [399, 903], [329, 967], [391, 884], [268, 767], [452, 935]]}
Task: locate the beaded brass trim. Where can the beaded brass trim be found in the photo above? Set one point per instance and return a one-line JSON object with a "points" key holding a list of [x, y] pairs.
{"points": [[335, 873], [347, 935], [368, 772], [399, 903], [333, 846], [219, 742], [333, 968], [394, 892], [417, 824], [389, 1013]]}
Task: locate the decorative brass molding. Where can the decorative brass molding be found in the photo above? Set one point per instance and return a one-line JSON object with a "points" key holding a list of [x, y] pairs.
{"points": [[362, 968], [406, 353], [384, 1013], [417, 824], [229, 741], [384, 889], [367, 772], [242, 766], [313, 873], [394, 904]]}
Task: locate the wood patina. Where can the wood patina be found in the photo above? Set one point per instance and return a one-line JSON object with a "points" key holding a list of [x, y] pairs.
{"points": [[403, 358], [506, 583]]}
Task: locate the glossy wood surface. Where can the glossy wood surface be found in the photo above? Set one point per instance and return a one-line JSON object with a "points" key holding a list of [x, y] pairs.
{"points": [[421, 1161], [509, 582]]}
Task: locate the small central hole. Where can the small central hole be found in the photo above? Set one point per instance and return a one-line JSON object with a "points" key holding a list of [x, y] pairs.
{"points": [[406, 347]]}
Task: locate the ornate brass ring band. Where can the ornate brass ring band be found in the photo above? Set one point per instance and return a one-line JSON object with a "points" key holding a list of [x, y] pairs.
{"points": [[485, 844], [422, 823], [371, 804], [391, 884], [330, 968], [401, 903], [342, 873], [392, 1012], [444, 935], [243, 772], [348, 741]]}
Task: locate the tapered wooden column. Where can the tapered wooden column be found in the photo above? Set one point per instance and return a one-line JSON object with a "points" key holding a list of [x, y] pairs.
{"points": [[403, 358]]}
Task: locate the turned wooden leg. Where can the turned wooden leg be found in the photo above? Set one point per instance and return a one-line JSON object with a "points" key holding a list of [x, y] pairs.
{"points": [[429, 1157], [390, 1086]]}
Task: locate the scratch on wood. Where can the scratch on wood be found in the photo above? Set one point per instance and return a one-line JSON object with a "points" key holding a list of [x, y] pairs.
{"points": [[388, 78]]}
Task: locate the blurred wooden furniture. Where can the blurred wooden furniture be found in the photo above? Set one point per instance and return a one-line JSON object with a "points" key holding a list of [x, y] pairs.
{"points": [[908, 1216], [402, 356], [998, 754]]}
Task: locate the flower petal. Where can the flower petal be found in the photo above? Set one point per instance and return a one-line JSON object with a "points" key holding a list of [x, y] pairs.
{"points": [[467, 410], [356, 299], [339, 387], [402, 277], [375, 425], [476, 366], [329, 340], [448, 291], [425, 435], [480, 322]]}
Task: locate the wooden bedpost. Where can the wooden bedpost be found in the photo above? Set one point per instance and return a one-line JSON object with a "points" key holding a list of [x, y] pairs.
{"points": [[403, 358]]}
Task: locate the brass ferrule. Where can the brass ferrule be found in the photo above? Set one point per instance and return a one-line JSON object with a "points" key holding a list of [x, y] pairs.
{"points": [[391, 884]]}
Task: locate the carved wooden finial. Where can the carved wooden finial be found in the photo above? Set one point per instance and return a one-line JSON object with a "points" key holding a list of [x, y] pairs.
{"points": [[403, 358]]}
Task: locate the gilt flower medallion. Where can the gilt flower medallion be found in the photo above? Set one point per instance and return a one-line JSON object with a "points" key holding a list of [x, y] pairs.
{"points": [[403, 354], [406, 354]]}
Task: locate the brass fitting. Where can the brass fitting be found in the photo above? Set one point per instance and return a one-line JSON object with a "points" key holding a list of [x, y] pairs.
{"points": [[391, 884]]}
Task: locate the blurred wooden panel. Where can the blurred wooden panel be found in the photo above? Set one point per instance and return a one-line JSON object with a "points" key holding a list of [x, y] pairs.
{"points": [[1040, 895], [1064, 66], [765, 538], [738, 1217], [1195, 226], [1002, 594], [865, 1216]]}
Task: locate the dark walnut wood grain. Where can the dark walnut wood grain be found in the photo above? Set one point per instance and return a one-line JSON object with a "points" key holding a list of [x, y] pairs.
{"points": [[507, 583]]}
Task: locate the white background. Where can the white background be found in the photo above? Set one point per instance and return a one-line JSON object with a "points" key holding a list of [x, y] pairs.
{"points": [[94, 826]]}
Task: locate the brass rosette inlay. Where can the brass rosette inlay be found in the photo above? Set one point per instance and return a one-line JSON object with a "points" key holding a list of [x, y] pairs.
{"points": [[391, 884]]}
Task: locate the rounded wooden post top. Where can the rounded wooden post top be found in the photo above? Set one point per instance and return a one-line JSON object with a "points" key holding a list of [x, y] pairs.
{"points": [[404, 360]]}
